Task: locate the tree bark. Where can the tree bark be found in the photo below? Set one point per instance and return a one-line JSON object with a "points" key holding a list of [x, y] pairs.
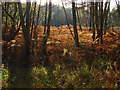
{"points": [[48, 28], [45, 38], [97, 21], [26, 28], [90, 18], [74, 24], [33, 22], [38, 15], [45, 18], [101, 27], [93, 25], [106, 10]]}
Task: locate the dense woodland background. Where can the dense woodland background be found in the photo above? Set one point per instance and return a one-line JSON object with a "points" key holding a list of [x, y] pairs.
{"points": [[51, 46]]}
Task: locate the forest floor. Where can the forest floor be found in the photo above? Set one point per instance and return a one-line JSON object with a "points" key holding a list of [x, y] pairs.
{"points": [[71, 66]]}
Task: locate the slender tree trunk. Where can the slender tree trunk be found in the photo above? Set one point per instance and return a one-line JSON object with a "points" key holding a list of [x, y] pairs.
{"points": [[38, 15], [33, 22], [48, 29], [67, 20], [13, 22], [79, 19], [97, 21], [101, 27], [45, 18], [99, 24], [28, 27], [93, 25], [106, 16], [109, 21], [58, 18], [45, 38], [90, 18], [74, 24], [5, 21], [118, 10]]}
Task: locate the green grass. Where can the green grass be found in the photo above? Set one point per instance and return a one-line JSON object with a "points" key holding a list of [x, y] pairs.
{"points": [[61, 77]]}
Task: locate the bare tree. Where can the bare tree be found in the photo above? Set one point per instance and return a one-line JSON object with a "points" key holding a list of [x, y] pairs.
{"points": [[13, 31]]}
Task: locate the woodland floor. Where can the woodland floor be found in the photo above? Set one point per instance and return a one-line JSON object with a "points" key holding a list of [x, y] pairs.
{"points": [[60, 49]]}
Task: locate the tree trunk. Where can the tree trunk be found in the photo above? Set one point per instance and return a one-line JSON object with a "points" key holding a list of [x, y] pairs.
{"points": [[45, 18], [48, 29], [67, 20], [97, 21], [26, 28], [79, 19], [74, 24], [90, 18], [6, 21], [38, 15], [33, 22], [58, 18], [93, 25], [45, 38], [101, 27], [106, 16], [118, 9]]}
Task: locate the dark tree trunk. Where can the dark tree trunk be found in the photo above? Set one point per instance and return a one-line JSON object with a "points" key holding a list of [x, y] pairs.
{"points": [[90, 18], [13, 32], [48, 29], [106, 10], [27, 27], [93, 25], [97, 21], [74, 24], [45, 38], [58, 17], [45, 18], [38, 15], [118, 10], [33, 22], [6, 21], [101, 27]]}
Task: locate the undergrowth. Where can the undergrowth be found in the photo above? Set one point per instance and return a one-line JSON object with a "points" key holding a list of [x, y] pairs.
{"points": [[100, 75]]}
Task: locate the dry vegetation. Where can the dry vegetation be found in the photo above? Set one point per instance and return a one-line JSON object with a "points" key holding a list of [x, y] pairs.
{"points": [[90, 65]]}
